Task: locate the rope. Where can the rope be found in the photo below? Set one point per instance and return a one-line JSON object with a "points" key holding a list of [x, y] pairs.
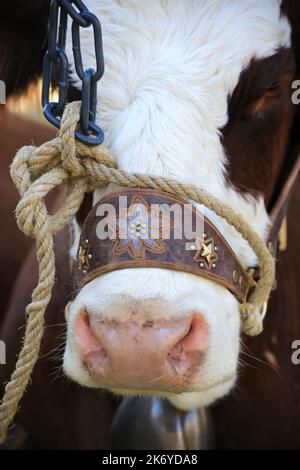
{"points": [[37, 171]]}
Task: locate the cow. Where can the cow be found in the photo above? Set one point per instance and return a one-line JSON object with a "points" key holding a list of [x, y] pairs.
{"points": [[200, 92]]}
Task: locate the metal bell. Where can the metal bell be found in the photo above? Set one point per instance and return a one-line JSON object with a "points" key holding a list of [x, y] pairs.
{"points": [[154, 424]]}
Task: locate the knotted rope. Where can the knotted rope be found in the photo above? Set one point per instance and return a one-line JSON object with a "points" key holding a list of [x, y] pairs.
{"points": [[35, 172]]}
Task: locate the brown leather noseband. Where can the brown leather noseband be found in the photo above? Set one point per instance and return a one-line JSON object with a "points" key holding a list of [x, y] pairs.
{"points": [[133, 245]]}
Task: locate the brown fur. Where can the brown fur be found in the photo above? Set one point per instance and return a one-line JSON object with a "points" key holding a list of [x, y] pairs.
{"points": [[260, 119]]}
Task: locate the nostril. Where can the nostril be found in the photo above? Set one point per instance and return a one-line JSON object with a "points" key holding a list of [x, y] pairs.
{"points": [[196, 338], [86, 341], [194, 341]]}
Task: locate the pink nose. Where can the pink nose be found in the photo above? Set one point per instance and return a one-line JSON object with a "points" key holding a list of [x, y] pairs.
{"points": [[159, 355]]}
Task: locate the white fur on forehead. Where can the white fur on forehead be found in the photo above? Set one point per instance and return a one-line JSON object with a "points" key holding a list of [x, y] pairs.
{"points": [[170, 66]]}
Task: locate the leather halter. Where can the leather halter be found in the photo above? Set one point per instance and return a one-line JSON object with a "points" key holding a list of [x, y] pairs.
{"points": [[208, 255]]}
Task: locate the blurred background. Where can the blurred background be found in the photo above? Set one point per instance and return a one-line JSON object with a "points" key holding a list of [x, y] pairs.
{"points": [[21, 123], [28, 105]]}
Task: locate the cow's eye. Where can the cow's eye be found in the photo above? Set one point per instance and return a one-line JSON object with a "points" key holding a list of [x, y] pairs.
{"points": [[272, 98], [272, 86], [272, 90], [268, 101]]}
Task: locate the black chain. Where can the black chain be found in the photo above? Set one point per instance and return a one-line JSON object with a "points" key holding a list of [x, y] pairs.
{"points": [[89, 133]]}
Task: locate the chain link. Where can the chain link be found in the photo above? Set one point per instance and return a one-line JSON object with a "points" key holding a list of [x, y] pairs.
{"points": [[56, 60]]}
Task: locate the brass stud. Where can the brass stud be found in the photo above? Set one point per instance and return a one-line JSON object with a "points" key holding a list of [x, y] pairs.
{"points": [[283, 236], [235, 276], [84, 257], [241, 282]]}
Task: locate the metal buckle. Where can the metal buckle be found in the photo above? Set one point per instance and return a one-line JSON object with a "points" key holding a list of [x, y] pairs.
{"points": [[245, 312], [252, 272], [283, 236], [264, 310]]}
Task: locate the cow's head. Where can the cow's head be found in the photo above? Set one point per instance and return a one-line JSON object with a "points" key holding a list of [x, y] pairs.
{"points": [[198, 91]]}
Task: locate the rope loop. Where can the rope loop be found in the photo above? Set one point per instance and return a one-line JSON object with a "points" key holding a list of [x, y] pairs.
{"points": [[69, 121], [36, 172]]}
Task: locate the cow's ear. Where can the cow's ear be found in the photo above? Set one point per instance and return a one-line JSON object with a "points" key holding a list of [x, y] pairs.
{"points": [[23, 42]]}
